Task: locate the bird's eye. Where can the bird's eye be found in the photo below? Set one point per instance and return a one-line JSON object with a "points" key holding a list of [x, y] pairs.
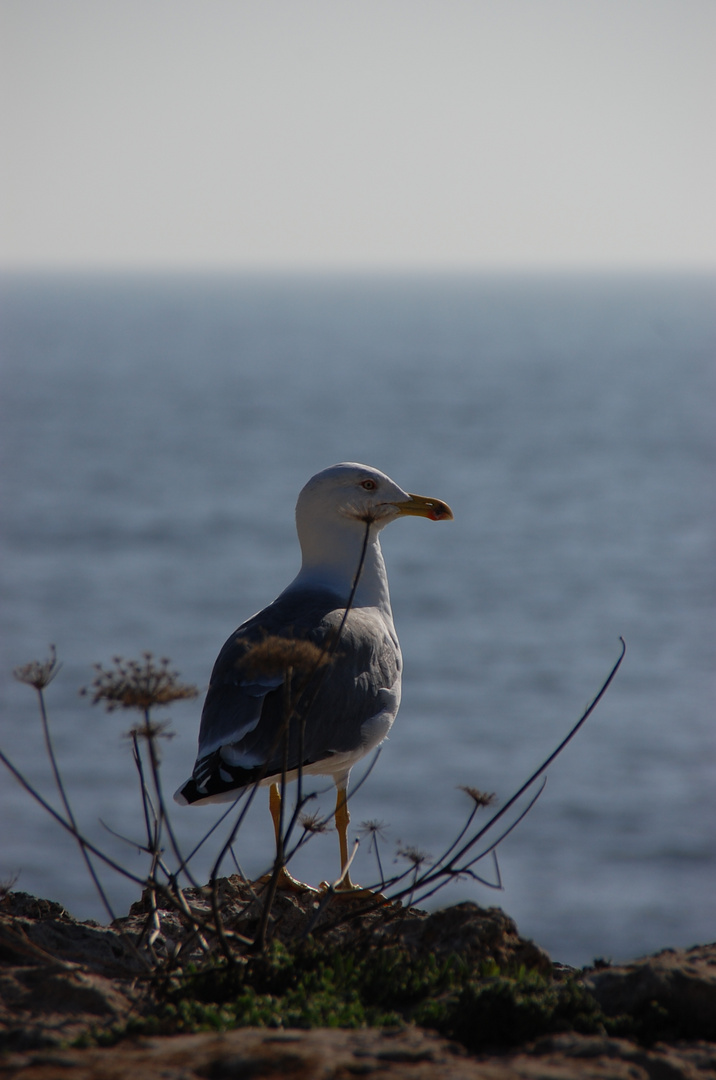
{"points": [[369, 485]]}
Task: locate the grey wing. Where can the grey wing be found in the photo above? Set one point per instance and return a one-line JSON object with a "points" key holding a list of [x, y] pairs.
{"points": [[235, 701], [345, 707], [234, 704], [359, 698], [339, 715]]}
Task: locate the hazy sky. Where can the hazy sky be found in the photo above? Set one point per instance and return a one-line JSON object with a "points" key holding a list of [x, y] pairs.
{"points": [[390, 133]]}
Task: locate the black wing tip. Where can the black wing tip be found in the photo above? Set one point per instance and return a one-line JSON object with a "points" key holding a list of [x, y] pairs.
{"points": [[188, 793], [208, 785]]}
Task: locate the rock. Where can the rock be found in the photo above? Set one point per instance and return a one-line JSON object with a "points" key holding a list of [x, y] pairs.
{"points": [[61, 979], [474, 933], [671, 994], [42, 931], [46, 1008]]}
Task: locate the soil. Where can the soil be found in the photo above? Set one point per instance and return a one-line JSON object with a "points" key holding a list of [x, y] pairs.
{"points": [[62, 980]]}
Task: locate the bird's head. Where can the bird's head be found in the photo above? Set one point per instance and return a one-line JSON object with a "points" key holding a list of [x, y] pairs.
{"points": [[350, 492]]}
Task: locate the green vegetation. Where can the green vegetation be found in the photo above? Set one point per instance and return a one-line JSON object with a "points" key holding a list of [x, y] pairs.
{"points": [[320, 986]]}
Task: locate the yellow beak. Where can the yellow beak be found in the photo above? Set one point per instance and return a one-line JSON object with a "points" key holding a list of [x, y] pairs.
{"points": [[422, 506]]}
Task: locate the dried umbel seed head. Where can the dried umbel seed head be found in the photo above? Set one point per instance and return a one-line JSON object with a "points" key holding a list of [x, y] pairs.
{"points": [[313, 823], [37, 673], [480, 798], [375, 830], [274, 656], [133, 684], [413, 855], [150, 729]]}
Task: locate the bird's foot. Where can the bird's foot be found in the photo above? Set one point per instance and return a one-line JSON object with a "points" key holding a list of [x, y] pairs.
{"points": [[345, 889], [287, 882]]}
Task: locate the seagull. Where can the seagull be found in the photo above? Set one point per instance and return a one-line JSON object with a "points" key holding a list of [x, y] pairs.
{"points": [[311, 684]]}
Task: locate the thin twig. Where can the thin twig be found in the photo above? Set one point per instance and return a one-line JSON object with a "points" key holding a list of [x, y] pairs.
{"points": [[66, 803], [72, 830]]}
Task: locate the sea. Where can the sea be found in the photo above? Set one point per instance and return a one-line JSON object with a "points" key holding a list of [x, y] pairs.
{"points": [[156, 430]]}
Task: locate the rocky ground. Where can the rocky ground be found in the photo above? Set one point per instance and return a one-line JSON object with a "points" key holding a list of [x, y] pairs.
{"points": [[65, 986]]}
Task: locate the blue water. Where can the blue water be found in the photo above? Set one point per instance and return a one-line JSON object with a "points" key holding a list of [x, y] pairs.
{"points": [[155, 434]]}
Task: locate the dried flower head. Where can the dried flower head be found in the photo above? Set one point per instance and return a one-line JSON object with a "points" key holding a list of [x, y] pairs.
{"points": [[273, 656], [7, 885], [38, 674], [150, 729], [480, 798], [376, 830], [413, 855], [132, 684], [313, 823]]}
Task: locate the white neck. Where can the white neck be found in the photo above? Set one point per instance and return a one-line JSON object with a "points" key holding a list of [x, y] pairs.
{"points": [[331, 559]]}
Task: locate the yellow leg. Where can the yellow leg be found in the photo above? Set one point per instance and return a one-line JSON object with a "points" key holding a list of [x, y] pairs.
{"points": [[275, 808], [286, 880], [342, 820]]}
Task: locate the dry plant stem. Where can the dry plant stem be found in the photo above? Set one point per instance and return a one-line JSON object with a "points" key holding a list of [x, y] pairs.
{"points": [[300, 801], [253, 788], [170, 875], [411, 892], [200, 925], [439, 874], [460, 835], [151, 926], [66, 803], [506, 832], [153, 821], [443, 870], [147, 807], [150, 814], [322, 822], [219, 821], [374, 845], [81, 840], [67, 826], [163, 817], [327, 653], [329, 894], [437, 878], [71, 828], [153, 826], [234, 831], [219, 925], [214, 876], [325, 900], [279, 861], [545, 764]]}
